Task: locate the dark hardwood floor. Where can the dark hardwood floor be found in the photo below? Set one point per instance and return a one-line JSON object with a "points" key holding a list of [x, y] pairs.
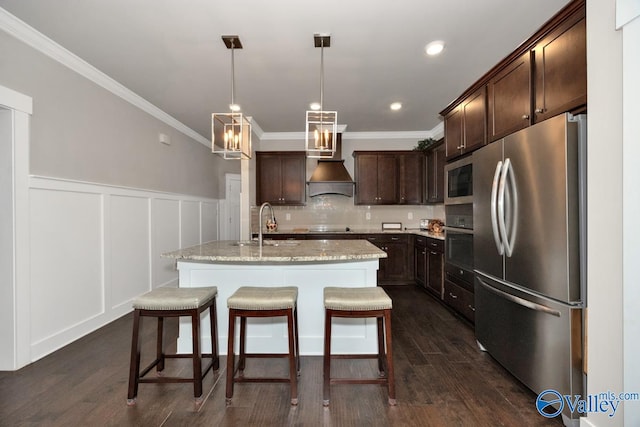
{"points": [[442, 379]]}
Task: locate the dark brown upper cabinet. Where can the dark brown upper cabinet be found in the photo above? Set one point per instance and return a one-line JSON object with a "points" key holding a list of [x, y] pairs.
{"points": [[390, 177], [411, 178], [280, 177], [466, 125], [376, 178], [435, 174], [545, 76], [509, 103], [560, 69]]}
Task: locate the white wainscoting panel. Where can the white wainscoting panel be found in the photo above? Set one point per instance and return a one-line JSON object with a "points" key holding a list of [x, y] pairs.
{"points": [[93, 248], [129, 249], [209, 217], [66, 263], [190, 224], [165, 237]]}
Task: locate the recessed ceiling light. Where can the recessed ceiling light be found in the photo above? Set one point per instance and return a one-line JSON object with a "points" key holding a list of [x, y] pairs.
{"points": [[434, 48], [315, 106], [395, 106]]}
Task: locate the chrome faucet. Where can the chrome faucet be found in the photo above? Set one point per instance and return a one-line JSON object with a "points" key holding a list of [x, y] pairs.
{"points": [[273, 219]]}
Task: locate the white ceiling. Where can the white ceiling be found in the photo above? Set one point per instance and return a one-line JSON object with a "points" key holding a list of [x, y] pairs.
{"points": [[170, 52]]}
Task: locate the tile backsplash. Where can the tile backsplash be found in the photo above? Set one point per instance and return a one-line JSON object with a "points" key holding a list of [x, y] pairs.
{"points": [[337, 212]]}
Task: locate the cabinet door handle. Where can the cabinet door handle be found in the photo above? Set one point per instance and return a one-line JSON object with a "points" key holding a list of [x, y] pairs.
{"points": [[539, 110], [453, 296], [472, 308], [525, 117], [434, 253]]}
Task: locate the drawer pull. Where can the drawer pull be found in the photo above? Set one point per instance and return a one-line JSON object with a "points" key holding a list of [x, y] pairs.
{"points": [[395, 238], [434, 253], [472, 308], [453, 296]]}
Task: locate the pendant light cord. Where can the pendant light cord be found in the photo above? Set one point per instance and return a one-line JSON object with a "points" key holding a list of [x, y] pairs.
{"points": [[233, 73], [321, 74]]}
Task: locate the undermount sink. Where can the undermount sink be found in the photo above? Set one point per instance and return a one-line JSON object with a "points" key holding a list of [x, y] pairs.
{"points": [[268, 242], [245, 243]]}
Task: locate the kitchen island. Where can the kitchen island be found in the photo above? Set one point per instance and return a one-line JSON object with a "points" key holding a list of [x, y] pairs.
{"points": [[309, 265]]}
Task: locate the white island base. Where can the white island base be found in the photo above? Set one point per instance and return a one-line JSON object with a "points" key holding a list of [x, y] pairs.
{"points": [[270, 334]]}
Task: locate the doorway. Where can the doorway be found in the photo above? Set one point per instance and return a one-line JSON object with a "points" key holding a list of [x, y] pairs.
{"points": [[231, 221]]}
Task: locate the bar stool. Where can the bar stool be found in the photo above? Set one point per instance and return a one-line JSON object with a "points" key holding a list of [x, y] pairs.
{"points": [[359, 303], [173, 302], [250, 301]]}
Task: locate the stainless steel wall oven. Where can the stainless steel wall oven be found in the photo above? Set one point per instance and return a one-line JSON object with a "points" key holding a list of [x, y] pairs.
{"points": [[459, 244]]}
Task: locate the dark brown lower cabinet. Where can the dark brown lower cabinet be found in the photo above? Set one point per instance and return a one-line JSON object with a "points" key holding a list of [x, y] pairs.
{"points": [[397, 268], [428, 261], [435, 260], [460, 299]]}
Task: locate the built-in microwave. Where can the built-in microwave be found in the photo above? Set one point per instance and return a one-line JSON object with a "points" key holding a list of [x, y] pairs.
{"points": [[458, 182]]}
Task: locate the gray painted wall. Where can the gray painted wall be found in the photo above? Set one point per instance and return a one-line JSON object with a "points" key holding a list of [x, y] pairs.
{"points": [[83, 132]]}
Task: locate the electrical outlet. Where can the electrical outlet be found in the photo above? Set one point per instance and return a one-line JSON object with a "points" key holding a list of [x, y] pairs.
{"points": [[410, 215], [367, 216], [287, 217]]}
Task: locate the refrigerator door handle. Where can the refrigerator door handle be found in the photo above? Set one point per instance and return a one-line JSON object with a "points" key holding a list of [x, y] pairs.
{"points": [[494, 212], [506, 170], [520, 301]]}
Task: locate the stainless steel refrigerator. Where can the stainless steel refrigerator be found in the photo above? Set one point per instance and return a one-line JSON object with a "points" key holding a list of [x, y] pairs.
{"points": [[529, 243]]}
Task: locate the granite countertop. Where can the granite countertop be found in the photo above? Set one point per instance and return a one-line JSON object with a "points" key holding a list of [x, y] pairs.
{"points": [[431, 234], [279, 251]]}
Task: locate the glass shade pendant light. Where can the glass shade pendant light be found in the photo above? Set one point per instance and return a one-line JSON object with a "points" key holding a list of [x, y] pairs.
{"points": [[321, 125], [231, 132]]}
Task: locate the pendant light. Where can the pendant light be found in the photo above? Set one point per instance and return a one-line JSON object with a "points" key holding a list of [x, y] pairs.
{"points": [[321, 125], [231, 132]]}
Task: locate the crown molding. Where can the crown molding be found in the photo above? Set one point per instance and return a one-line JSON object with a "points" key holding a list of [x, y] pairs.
{"points": [[30, 36]]}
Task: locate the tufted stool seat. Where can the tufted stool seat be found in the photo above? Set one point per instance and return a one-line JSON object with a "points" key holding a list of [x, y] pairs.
{"points": [[251, 301], [173, 302], [359, 303]]}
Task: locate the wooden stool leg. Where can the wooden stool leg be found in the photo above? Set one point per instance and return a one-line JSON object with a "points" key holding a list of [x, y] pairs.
{"points": [[326, 370], [390, 375], [381, 352], [243, 342], [134, 366], [213, 320], [197, 355], [293, 364], [230, 355], [295, 320], [160, 345]]}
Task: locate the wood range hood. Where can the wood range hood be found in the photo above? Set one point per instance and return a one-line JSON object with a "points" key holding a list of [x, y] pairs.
{"points": [[330, 176]]}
